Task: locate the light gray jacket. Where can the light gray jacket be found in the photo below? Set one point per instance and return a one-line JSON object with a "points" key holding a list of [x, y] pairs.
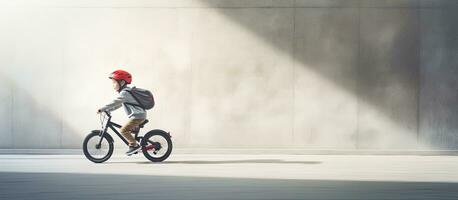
{"points": [[124, 96]]}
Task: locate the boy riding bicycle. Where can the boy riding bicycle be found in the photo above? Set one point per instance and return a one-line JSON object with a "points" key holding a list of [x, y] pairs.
{"points": [[136, 114]]}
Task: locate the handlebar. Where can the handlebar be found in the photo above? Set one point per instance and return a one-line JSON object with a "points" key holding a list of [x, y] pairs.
{"points": [[106, 113]]}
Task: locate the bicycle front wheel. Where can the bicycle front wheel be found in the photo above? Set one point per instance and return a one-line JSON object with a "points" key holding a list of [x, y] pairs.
{"points": [[95, 152]]}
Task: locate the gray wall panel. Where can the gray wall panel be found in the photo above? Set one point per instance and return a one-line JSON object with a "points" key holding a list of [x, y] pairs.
{"points": [[326, 53], [388, 74], [439, 82], [241, 87]]}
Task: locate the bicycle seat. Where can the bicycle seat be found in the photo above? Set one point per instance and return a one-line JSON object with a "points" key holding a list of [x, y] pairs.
{"points": [[143, 123]]}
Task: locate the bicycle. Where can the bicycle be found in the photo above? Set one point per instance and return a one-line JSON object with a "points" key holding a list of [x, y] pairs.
{"points": [[98, 147]]}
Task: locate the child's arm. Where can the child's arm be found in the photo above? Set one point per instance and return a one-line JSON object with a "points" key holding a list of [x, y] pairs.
{"points": [[115, 104]]}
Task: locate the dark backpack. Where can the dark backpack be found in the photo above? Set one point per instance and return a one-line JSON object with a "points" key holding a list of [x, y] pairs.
{"points": [[143, 97]]}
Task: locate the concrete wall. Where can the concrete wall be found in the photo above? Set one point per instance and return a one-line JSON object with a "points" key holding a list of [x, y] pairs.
{"points": [[340, 74]]}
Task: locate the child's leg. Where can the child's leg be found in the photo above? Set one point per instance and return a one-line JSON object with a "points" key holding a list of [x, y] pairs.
{"points": [[127, 129]]}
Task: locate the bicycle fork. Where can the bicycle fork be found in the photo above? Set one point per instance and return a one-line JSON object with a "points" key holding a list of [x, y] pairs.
{"points": [[98, 145]]}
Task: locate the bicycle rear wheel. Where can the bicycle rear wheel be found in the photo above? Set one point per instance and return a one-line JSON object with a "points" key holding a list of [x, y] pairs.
{"points": [[95, 152], [156, 145]]}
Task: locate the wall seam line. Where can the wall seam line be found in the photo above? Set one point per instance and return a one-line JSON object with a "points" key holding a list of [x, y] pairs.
{"points": [[420, 52], [294, 77], [358, 82], [189, 114], [12, 115]]}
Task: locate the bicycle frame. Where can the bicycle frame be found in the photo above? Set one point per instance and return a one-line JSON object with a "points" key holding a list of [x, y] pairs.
{"points": [[113, 127]]}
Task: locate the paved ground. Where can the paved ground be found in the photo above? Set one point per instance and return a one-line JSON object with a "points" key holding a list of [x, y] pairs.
{"points": [[230, 177]]}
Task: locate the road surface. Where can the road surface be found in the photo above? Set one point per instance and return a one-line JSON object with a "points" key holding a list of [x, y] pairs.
{"points": [[188, 176]]}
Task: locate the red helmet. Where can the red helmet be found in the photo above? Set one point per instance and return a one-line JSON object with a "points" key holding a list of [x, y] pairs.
{"points": [[121, 75]]}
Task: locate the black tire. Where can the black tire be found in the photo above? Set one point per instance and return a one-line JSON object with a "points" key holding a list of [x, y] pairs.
{"points": [[94, 136], [165, 143]]}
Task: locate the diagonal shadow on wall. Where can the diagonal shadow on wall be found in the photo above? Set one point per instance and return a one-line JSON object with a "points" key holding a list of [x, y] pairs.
{"points": [[29, 122], [371, 53]]}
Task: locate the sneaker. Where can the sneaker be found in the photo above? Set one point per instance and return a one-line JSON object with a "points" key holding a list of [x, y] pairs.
{"points": [[133, 149]]}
